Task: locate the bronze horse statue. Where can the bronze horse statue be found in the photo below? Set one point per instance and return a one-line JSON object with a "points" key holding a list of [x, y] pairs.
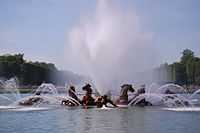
{"points": [[88, 100], [72, 100], [123, 98]]}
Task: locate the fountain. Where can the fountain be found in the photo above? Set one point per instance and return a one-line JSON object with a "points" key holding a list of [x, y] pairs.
{"points": [[46, 96], [10, 86], [171, 88], [168, 95], [106, 47], [46, 88]]}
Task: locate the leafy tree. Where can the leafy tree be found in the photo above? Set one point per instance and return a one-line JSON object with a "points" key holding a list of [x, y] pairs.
{"points": [[185, 72], [33, 73], [187, 56]]}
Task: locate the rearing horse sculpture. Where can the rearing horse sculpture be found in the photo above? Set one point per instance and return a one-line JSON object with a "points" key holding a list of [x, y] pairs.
{"points": [[123, 98], [88, 100]]}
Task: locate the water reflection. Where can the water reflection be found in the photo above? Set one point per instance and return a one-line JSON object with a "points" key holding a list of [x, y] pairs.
{"points": [[104, 121], [131, 120]]}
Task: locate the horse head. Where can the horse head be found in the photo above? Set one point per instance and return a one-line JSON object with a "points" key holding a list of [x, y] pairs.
{"points": [[87, 88], [128, 87]]}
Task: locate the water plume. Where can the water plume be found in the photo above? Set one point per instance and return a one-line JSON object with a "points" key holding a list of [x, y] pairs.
{"points": [[110, 46]]}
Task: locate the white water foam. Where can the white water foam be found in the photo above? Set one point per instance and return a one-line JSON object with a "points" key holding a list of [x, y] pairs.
{"points": [[7, 107], [184, 109], [31, 109], [22, 108]]}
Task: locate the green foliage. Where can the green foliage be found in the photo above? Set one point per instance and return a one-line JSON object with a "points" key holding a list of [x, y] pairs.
{"points": [[185, 72], [29, 73], [187, 56]]}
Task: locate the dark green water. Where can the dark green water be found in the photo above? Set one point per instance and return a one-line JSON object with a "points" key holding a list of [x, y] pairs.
{"points": [[131, 120]]}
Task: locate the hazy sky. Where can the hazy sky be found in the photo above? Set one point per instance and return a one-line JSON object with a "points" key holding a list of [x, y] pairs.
{"points": [[39, 28]]}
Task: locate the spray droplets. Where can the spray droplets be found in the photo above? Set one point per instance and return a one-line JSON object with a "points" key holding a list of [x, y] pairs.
{"points": [[109, 46]]}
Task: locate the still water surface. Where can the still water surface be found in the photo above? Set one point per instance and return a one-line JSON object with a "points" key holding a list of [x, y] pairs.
{"points": [[76, 120]]}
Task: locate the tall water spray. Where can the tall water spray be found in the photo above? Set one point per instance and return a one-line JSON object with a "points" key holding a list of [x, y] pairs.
{"points": [[110, 46]]}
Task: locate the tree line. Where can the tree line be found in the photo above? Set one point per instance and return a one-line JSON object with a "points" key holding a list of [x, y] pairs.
{"points": [[184, 72], [34, 73]]}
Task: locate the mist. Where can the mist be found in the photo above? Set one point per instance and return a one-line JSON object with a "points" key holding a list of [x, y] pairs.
{"points": [[111, 47]]}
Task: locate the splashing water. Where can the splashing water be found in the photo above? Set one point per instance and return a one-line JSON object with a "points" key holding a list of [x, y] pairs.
{"points": [[46, 88], [195, 93], [152, 88], [110, 46], [160, 96], [173, 88], [10, 86], [47, 96]]}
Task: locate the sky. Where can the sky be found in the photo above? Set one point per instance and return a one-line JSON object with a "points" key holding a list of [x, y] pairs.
{"points": [[39, 28]]}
